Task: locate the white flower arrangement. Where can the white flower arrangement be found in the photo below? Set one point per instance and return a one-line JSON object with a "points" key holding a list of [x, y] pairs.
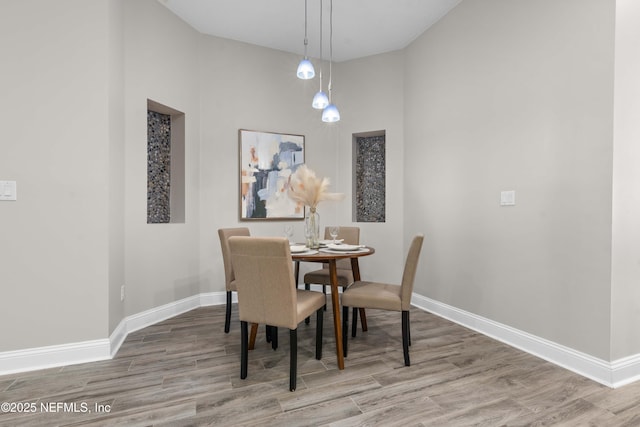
{"points": [[306, 188]]}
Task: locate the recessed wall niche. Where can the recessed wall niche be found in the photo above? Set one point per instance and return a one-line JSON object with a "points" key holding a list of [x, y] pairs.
{"points": [[369, 178], [165, 164]]}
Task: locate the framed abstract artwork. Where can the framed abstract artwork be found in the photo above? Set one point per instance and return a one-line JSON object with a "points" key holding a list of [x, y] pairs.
{"points": [[267, 160]]}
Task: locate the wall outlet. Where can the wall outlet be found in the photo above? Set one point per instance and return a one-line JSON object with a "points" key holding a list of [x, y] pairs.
{"points": [[508, 198], [122, 293], [8, 190]]}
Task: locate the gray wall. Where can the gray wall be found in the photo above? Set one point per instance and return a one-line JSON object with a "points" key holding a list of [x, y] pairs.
{"points": [[260, 92], [246, 87], [369, 93], [116, 136], [515, 95], [625, 292], [161, 63], [54, 245]]}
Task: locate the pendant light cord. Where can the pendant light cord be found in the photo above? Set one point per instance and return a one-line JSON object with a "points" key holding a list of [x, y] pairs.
{"points": [[306, 41], [320, 45], [330, 47]]}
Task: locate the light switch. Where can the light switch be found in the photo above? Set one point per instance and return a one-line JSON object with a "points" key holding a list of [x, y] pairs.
{"points": [[8, 190], [508, 198]]}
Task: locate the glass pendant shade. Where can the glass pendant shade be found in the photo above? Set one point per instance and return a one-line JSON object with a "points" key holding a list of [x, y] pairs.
{"points": [[330, 114], [305, 70], [320, 100]]}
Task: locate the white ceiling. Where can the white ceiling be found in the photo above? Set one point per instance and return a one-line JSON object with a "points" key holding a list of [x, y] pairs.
{"points": [[360, 27]]}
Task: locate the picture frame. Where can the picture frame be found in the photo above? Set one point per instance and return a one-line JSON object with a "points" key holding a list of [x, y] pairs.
{"points": [[266, 162]]}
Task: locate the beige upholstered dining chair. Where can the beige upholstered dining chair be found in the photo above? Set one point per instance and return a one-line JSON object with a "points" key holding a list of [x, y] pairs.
{"points": [[351, 236], [385, 297], [229, 276], [267, 294]]}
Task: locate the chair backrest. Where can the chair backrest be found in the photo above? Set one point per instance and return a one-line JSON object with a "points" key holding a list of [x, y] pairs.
{"points": [[225, 234], [410, 267], [264, 280], [351, 236]]}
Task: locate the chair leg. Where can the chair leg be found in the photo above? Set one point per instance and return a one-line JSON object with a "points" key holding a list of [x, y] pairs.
{"points": [[409, 327], [307, 287], [244, 349], [324, 291], [405, 337], [319, 325], [274, 337], [293, 358], [267, 330], [227, 318], [345, 329], [354, 325]]}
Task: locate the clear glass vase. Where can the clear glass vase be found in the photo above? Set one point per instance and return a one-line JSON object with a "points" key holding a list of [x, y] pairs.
{"points": [[312, 229]]}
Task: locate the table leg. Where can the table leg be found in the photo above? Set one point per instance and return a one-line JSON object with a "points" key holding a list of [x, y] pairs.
{"points": [[335, 302], [297, 272], [252, 337], [355, 269]]}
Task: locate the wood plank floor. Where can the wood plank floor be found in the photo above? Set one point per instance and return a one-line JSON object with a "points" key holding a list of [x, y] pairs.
{"points": [[186, 372]]}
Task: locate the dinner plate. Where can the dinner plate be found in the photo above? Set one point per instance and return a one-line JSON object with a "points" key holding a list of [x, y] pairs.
{"points": [[307, 252], [330, 241], [295, 249], [355, 251], [343, 247]]}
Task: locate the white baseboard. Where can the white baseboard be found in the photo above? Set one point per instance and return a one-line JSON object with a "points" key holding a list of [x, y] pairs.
{"points": [[625, 370], [612, 374], [91, 351], [53, 356], [158, 314]]}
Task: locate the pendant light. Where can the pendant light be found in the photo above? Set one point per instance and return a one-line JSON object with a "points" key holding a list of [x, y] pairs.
{"points": [[330, 114], [305, 68], [320, 99]]}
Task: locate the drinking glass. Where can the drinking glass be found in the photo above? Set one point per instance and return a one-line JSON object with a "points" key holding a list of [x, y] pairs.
{"points": [[333, 232], [288, 231]]}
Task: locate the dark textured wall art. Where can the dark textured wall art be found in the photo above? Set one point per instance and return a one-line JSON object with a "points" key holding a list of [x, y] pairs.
{"points": [[370, 176], [158, 167]]}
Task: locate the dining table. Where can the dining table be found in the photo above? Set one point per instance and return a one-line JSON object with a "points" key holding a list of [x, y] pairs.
{"points": [[330, 257]]}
